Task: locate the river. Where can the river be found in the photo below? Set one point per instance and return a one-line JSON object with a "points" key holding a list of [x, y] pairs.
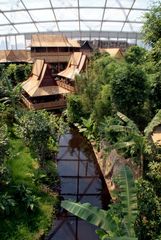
{"points": [[81, 181]]}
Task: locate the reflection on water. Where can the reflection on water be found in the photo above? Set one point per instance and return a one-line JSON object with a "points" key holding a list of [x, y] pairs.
{"points": [[81, 180]]}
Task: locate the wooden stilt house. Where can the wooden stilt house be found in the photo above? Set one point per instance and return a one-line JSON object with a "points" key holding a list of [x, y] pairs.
{"points": [[40, 90]]}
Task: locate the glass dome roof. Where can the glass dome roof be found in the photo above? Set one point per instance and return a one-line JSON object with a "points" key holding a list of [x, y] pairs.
{"points": [[75, 18]]}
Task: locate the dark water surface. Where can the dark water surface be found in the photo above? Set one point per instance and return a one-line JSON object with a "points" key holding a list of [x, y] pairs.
{"points": [[81, 180]]}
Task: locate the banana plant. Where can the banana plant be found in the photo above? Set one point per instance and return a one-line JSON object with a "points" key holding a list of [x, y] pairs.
{"points": [[129, 140], [118, 221]]}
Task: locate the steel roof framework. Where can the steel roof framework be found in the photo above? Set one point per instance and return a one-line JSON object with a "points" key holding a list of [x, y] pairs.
{"points": [[116, 19]]}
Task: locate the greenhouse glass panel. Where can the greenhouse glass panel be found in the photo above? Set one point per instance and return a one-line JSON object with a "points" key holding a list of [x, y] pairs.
{"points": [[8, 29], [42, 15], [20, 39], [2, 43], [66, 14], [65, 26], [132, 27], [10, 5], [47, 27], [11, 43], [31, 4], [136, 15], [120, 3], [92, 14], [3, 19], [88, 26], [64, 3], [115, 14], [111, 26], [93, 3], [24, 28], [18, 17], [143, 4]]}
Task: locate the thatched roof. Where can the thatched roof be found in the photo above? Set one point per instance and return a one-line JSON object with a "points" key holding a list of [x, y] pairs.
{"points": [[114, 52], [47, 40], [75, 65], [14, 56], [41, 82]]}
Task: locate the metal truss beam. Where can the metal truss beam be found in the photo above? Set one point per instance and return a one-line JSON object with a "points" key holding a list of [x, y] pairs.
{"points": [[88, 34], [54, 15], [32, 20], [59, 21], [92, 7]]}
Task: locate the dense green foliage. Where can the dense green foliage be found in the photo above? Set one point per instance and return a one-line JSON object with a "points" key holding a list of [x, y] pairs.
{"points": [[109, 86], [25, 208], [148, 224], [38, 131], [128, 86], [28, 174], [152, 25], [17, 72]]}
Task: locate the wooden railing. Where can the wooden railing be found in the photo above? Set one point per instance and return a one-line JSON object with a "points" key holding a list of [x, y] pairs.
{"points": [[66, 86], [45, 105], [52, 57], [26, 102]]}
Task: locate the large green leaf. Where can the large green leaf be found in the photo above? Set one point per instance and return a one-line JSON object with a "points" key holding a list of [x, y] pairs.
{"points": [[92, 214], [128, 121], [108, 220], [128, 198], [154, 122]]}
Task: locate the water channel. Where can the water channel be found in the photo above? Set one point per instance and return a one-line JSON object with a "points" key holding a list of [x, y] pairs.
{"points": [[82, 181]]}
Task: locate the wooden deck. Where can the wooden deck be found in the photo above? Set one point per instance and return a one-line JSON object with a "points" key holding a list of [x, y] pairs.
{"points": [[58, 104]]}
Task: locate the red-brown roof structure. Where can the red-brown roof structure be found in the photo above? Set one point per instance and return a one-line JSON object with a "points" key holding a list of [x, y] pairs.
{"points": [[41, 82], [114, 52], [47, 40], [76, 63], [14, 56]]}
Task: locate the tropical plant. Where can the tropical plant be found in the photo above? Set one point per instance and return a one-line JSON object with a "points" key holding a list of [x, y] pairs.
{"points": [[87, 128], [128, 91], [129, 140], [35, 129], [22, 72], [118, 221], [148, 222], [4, 143], [11, 94], [156, 120], [135, 55], [152, 25], [26, 197], [7, 203]]}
